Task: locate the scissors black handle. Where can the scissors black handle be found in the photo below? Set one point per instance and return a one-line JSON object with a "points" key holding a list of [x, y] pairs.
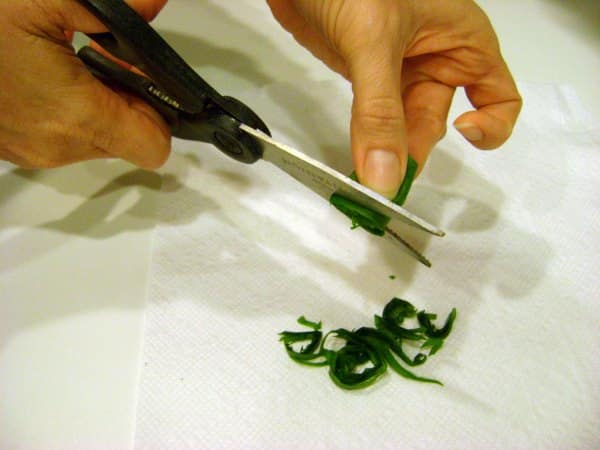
{"points": [[193, 109]]}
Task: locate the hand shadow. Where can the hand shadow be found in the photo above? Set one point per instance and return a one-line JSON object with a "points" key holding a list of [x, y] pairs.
{"points": [[126, 203], [581, 16]]}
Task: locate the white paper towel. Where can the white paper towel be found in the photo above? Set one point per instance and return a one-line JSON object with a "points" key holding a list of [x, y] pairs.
{"points": [[247, 250]]}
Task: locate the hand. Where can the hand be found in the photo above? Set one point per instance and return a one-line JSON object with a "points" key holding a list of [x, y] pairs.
{"points": [[405, 58], [53, 112]]}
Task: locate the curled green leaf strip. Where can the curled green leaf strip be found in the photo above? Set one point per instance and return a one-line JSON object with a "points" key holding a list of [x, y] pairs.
{"points": [[307, 323], [367, 352], [435, 336], [310, 353], [409, 177], [363, 217], [345, 364]]}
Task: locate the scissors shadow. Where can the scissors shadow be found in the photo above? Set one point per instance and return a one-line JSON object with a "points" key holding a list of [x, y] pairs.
{"points": [[126, 203]]}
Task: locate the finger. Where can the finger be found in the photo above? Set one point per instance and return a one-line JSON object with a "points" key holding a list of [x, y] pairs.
{"points": [[360, 42], [54, 154], [12, 157], [82, 20], [148, 9], [291, 18], [426, 105], [377, 130], [498, 104], [120, 124], [126, 127], [116, 60], [70, 15]]}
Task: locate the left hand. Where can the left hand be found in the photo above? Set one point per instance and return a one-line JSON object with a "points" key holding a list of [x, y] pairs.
{"points": [[405, 58]]}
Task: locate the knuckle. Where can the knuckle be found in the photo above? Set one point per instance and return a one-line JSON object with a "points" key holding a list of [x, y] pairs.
{"points": [[101, 138], [94, 124], [380, 114], [43, 15], [431, 121]]}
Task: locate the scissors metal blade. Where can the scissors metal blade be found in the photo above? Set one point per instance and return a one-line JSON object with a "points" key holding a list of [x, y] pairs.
{"points": [[326, 181]]}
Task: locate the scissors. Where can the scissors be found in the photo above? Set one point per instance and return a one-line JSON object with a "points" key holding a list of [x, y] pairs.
{"points": [[194, 110]]}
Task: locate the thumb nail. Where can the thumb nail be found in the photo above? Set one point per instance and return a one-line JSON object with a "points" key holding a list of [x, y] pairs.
{"points": [[382, 172]]}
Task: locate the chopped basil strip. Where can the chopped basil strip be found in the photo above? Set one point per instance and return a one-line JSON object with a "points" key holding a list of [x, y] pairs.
{"points": [[361, 216], [367, 352], [409, 177], [366, 218]]}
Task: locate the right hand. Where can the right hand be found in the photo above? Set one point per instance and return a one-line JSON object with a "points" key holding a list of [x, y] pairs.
{"points": [[53, 112]]}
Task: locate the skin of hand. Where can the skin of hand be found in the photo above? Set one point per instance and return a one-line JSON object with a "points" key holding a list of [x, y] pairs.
{"points": [[53, 112], [405, 58]]}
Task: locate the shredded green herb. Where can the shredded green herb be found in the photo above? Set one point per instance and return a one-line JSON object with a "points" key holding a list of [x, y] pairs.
{"points": [[361, 216], [366, 218], [409, 177], [367, 352]]}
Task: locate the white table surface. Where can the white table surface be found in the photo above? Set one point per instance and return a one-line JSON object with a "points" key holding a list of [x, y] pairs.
{"points": [[75, 243]]}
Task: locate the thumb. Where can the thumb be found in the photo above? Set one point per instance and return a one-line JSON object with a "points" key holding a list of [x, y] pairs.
{"points": [[378, 132], [123, 126], [117, 123]]}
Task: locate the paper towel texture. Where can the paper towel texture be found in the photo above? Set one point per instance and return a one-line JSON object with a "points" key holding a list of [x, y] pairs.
{"points": [[247, 250]]}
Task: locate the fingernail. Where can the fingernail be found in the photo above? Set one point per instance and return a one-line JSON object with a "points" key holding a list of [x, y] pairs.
{"points": [[469, 131], [382, 172]]}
